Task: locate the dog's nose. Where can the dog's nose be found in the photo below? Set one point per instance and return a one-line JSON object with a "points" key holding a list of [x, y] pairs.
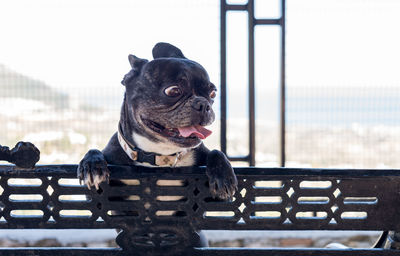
{"points": [[201, 105]]}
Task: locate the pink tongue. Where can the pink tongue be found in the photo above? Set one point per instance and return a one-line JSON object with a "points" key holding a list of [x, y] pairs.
{"points": [[197, 130]]}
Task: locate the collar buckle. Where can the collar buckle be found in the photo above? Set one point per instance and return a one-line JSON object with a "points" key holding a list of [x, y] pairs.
{"points": [[146, 157]]}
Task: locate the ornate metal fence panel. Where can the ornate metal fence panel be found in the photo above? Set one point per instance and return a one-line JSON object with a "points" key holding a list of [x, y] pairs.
{"points": [[158, 211]]}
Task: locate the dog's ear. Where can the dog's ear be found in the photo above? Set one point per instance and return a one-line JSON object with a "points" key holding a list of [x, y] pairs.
{"points": [[137, 65], [166, 50]]}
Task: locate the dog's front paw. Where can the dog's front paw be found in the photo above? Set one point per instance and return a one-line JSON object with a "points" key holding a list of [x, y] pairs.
{"points": [[92, 169], [221, 177]]}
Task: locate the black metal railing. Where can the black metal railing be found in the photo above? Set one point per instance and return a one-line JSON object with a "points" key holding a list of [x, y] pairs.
{"points": [[160, 210], [252, 23]]}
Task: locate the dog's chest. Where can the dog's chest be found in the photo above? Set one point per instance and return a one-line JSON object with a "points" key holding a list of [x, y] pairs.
{"points": [[187, 157]]}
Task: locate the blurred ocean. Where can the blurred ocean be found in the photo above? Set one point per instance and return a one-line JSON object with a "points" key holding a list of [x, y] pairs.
{"points": [[324, 106]]}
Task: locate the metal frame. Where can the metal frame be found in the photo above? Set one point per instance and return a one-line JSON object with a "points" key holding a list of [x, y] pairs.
{"points": [[252, 22]]}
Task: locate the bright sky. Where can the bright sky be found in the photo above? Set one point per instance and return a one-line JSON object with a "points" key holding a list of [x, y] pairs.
{"points": [[74, 42], [85, 43]]}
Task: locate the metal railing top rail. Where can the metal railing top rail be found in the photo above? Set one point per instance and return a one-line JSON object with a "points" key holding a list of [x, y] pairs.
{"points": [[125, 171]]}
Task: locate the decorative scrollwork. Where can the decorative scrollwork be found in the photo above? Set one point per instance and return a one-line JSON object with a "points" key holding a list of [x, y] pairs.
{"points": [[158, 240]]}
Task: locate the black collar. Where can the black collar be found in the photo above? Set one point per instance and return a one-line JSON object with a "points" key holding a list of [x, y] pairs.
{"points": [[141, 156]]}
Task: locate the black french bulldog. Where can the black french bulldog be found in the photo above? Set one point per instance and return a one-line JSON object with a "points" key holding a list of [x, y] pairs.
{"points": [[166, 105]]}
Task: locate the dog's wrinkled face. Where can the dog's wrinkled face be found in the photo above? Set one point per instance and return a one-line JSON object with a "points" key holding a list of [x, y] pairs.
{"points": [[170, 97]]}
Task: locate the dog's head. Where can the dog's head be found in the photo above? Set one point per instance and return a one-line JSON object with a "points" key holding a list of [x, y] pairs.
{"points": [[170, 97]]}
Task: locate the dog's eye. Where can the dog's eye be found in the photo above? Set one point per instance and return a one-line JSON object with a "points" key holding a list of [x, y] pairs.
{"points": [[173, 91], [213, 94]]}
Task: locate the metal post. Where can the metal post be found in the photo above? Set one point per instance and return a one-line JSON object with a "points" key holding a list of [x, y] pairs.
{"points": [[283, 87], [252, 140], [223, 76]]}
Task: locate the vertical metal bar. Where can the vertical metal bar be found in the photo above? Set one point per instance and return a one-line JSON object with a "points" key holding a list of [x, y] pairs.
{"points": [[252, 140], [252, 22], [283, 87], [223, 74]]}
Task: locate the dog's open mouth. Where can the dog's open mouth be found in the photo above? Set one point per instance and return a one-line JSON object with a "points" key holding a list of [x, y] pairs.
{"points": [[188, 132]]}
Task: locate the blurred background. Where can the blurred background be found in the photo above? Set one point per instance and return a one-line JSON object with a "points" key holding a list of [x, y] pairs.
{"points": [[62, 61]]}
